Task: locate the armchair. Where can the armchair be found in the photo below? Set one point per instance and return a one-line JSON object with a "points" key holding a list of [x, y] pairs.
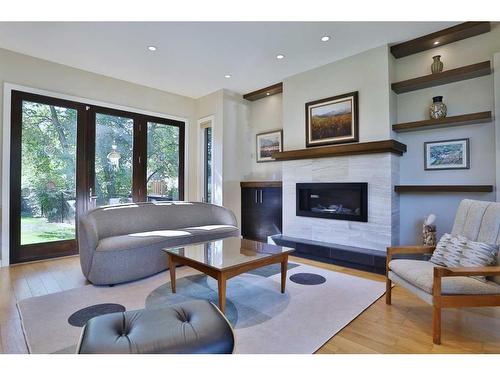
{"points": [[453, 287]]}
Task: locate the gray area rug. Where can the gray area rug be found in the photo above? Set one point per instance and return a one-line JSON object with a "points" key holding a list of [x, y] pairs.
{"points": [[264, 320]]}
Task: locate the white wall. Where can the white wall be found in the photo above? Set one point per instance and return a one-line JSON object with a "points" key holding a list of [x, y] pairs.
{"points": [[265, 115], [366, 72], [475, 95], [236, 116], [40, 74], [496, 71]]}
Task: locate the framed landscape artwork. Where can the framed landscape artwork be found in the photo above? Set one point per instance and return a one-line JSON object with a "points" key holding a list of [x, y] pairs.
{"points": [[332, 120], [450, 154], [267, 143]]}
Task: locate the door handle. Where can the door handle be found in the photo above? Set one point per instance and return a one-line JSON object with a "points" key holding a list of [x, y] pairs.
{"points": [[256, 197], [261, 196]]}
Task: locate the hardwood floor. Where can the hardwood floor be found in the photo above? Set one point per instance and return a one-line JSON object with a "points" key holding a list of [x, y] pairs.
{"points": [[403, 327]]}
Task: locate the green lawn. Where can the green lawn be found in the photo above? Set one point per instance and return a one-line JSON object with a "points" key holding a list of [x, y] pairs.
{"points": [[37, 230]]}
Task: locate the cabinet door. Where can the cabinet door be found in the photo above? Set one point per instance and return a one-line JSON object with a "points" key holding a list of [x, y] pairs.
{"points": [[249, 213], [270, 204]]}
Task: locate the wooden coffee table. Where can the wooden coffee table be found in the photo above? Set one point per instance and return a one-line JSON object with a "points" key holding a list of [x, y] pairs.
{"points": [[227, 258]]}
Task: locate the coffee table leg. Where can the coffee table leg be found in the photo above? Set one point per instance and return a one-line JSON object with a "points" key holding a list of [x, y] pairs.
{"points": [[171, 266], [284, 267], [221, 281]]}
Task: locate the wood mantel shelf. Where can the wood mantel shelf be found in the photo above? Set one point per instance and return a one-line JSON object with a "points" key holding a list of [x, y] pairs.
{"points": [[443, 188], [468, 119], [447, 76], [260, 184], [376, 147]]}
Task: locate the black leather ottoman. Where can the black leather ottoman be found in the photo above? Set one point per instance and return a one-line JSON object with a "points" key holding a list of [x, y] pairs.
{"points": [[188, 328]]}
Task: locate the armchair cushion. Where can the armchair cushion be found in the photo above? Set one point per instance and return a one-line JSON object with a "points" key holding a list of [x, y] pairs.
{"points": [[420, 274]]}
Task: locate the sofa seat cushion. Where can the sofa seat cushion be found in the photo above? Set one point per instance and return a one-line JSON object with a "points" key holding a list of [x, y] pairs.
{"points": [[171, 237], [420, 273]]}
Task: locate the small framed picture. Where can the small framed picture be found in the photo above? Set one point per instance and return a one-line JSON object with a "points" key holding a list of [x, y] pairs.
{"points": [[450, 154], [267, 143], [332, 120]]}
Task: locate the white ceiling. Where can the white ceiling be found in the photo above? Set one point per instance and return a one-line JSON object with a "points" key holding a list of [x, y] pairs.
{"points": [[193, 57]]}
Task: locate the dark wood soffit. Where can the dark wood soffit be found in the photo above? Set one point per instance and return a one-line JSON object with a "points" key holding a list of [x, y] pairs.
{"points": [[447, 76], [389, 145], [443, 188], [262, 93], [452, 34], [260, 184], [467, 119]]}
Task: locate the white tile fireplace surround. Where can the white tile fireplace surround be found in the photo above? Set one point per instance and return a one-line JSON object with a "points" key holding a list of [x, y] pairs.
{"points": [[380, 171]]}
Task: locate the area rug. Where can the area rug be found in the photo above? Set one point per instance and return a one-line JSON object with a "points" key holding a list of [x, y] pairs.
{"points": [[317, 304]]}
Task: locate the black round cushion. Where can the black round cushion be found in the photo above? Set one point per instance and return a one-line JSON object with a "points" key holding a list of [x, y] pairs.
{"points": [[189, 328]]}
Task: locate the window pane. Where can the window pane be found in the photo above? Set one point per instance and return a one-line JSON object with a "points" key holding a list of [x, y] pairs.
{"points": [[113, 159], [48, 173], [163, 162], [208, 164]]}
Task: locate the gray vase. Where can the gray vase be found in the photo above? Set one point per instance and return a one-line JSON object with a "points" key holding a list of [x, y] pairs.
{"points": [[437, 109], [437, 65]]}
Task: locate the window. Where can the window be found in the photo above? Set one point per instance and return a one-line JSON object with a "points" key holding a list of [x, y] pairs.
{"points": [[163, 162], [206, 133], [68, 157]]}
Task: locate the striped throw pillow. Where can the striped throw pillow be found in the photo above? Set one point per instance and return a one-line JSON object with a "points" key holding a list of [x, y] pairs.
{"points": [[478, 254], [454, 251], [439, 254]]}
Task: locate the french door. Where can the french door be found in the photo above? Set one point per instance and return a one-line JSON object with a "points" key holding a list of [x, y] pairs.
{"points": [[68, 157]]}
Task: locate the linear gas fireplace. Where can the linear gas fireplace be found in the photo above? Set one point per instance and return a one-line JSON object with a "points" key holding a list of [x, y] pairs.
{"points": [[340, 201]]}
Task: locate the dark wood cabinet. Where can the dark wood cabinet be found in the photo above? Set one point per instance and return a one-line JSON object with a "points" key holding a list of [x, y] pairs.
{"points": [[261, 210]]}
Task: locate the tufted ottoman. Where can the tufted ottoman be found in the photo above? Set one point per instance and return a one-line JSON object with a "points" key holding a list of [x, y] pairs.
{"points": [[189, 328]]}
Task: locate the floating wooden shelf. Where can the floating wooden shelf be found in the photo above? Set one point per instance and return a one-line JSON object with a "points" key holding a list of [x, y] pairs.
{"points": [[389, 145], [443, 188], [468, 119], [442, 37], [260, 184], [266, 91], [447, 76]]}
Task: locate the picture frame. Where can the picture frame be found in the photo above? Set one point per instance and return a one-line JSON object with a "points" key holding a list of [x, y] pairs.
{"points": [[332, 120], [447, 154], [267, 143]]}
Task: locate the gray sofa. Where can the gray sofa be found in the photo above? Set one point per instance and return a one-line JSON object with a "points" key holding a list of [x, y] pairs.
{"points": [[123, 243]]}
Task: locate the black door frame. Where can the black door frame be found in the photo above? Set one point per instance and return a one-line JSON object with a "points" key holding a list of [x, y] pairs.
{"points": [[85, 172], [24, 253]]}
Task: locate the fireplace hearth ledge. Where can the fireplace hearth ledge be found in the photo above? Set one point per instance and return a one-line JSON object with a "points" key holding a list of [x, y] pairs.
{"points": [[347, 256]]}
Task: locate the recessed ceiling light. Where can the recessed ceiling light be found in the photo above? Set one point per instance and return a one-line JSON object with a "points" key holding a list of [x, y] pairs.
{"points": [[325, 38], [227, 76], [280, 56], [436, 42], [151, 48]]}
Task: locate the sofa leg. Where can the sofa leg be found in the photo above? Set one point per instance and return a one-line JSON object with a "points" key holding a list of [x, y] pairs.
{"points": [[388, 291], [436, 325]]}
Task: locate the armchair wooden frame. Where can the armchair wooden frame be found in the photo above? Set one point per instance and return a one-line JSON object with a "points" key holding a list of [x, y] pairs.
{"points": [[440, 301]]}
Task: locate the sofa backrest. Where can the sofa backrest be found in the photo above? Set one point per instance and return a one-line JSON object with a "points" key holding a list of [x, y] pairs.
{"points": [[479, 221], [129, 218]]}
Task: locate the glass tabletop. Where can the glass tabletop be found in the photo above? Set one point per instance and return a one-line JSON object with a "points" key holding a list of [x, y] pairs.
{"points": [[228, 253]]}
